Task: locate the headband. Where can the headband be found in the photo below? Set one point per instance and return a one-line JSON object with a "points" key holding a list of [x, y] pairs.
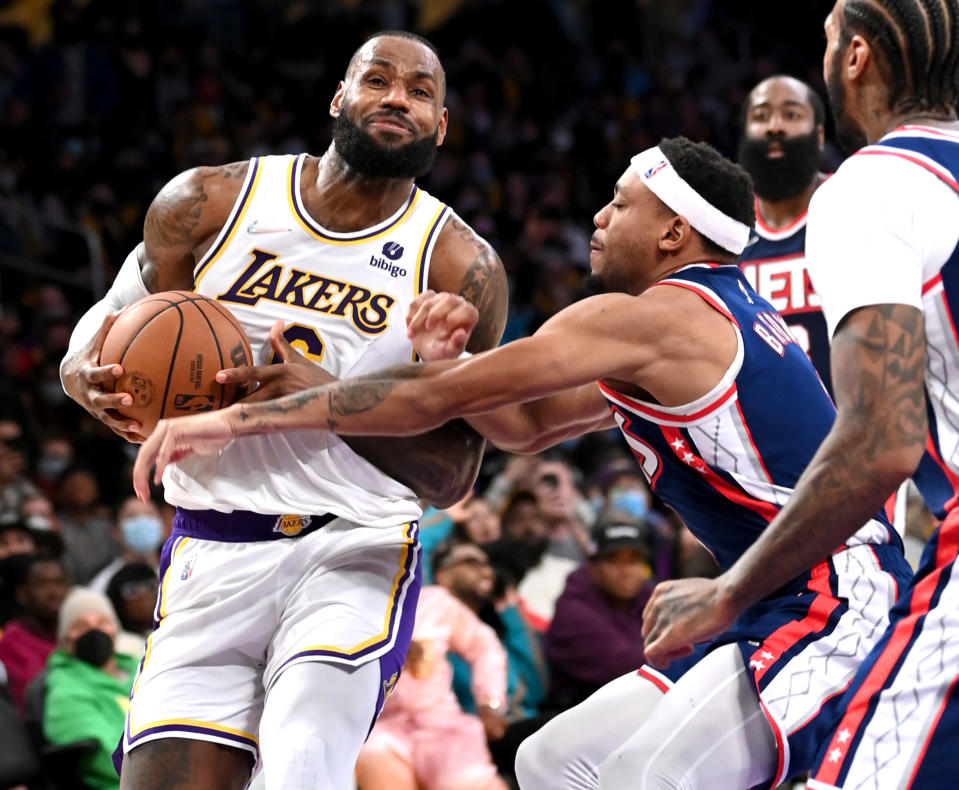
{"points": [[661, 178]]}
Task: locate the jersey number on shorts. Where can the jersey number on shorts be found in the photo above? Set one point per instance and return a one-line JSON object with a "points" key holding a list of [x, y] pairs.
{"points": [[304, 339]]}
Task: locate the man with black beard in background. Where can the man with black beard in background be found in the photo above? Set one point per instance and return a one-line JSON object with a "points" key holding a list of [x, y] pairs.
{"points": [[780, 149]]}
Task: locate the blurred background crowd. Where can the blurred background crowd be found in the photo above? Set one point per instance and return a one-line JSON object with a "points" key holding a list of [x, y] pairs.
{"points": [[103, 101]]}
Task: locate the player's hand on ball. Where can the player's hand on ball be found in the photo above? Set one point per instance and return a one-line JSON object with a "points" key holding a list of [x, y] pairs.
{"points": [[439, 325], [173, 440], [292, 374], [682, 613], [85, 380]]}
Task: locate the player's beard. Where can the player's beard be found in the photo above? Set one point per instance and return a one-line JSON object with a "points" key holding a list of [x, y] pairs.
{"points": [[785, 176], [366, 156], [850, 136]]}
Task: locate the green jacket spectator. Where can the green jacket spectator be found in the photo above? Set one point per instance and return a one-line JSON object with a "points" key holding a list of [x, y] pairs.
{"points": [[84, 701]]}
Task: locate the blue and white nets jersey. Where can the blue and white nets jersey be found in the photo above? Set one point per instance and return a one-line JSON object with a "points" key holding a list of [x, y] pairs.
{"points": [[729, 461], [937, 478], [774, 263], [343, 299]]}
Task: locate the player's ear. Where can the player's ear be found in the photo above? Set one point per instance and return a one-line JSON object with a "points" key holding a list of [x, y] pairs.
{"points": [[336, 105], [856, 58], [675, 234], [441, 129]]}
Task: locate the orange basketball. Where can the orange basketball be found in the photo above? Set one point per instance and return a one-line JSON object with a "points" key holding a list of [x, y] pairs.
{"points": [[171, 346]]}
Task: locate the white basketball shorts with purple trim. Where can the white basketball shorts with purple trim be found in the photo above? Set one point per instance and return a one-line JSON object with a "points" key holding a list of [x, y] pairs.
{"points": [[231, 615]]}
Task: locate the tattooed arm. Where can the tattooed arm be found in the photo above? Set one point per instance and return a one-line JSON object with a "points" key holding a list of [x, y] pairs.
{"points": [[442, 465], [181, 223], [878, 361]]}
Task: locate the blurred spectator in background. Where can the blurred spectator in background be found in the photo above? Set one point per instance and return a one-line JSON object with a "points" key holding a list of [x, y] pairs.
{"points": [[132, 591], [14, 486], [87, 684], [16, 538], [526, 530], [596, 632], [56, 455], [619, 485], [567, 512], [85, 524], [423, 739], [139, 535], [38, 514], [27, 640]]}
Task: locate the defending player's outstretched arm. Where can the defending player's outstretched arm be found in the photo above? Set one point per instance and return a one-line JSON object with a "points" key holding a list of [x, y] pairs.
{"points": [[585, 342]]}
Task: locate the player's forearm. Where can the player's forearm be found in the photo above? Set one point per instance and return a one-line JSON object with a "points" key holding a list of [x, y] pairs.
{"points": [[402, 401], [127, 288], [840, 490], [440, 465], [878, 362]]}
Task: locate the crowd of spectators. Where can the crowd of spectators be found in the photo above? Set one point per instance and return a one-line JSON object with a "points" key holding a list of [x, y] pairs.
{"points": [[103, 101]]}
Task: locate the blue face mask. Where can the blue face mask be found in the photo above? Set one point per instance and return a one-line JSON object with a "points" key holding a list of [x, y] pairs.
{"points": [[142, 534], [630, 500]]}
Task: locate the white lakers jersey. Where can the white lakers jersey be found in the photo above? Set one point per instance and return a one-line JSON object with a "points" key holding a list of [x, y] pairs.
{"points": [[343, 299]]}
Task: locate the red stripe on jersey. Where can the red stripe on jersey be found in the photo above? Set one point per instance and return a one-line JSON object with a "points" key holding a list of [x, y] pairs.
{"points": [[928, 130], [704, 294], [749, 435], [784, 637], [931, 731], [902, 634], [926, 287], [765, 510], [941, 174], [656, 414], [655, 678]]}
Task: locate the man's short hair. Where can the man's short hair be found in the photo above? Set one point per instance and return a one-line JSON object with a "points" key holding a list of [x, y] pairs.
{"points": [[721, 182]]}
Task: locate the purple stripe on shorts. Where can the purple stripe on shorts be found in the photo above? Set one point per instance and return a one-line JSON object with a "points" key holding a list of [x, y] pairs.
{"points": [[192, 728], [407, 590], [241, 526]]}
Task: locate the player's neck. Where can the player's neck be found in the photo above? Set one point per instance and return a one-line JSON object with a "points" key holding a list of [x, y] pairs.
{"points": [[342, 200], [778, 214]]}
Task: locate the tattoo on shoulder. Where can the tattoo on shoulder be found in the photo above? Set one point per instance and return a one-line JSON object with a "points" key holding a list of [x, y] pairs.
{"points": [[174, 217]]}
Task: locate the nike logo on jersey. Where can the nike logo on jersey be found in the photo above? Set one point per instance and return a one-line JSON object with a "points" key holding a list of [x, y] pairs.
{"points": [[254, 227]]}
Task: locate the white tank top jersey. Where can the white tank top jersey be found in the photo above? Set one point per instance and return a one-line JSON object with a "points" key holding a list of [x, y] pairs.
{"points": [[343, 298]]}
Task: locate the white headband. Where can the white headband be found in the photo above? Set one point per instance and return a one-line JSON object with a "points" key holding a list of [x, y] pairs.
{"points": [[661, 178]]}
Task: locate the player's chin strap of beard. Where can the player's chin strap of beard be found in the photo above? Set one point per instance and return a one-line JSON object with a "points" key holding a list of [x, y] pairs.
{"points": [[661, 178]]}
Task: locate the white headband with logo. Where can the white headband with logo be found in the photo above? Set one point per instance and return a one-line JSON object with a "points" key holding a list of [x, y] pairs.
{"points": [[661, 178]]}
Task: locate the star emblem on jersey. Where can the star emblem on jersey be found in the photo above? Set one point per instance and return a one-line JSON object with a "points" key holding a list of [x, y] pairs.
{"points": [[254, 227], [834, 755], [678, 444], [843, 736]]}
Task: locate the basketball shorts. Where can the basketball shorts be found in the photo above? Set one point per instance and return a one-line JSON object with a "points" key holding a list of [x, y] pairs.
{"points": [[232, 614], [803, 647], [901, 713]]}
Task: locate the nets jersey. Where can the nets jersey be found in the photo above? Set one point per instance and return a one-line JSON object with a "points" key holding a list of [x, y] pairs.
{"points": [[728, 462], [937, 477], [774, 263], [342, 298]]}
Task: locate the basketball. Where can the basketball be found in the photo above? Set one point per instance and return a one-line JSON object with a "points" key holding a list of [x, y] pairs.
{"points": [[171, 346]]}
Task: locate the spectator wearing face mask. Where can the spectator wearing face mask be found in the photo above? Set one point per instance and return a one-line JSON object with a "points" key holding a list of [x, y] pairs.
{"points": [[88, 684], [139, 533]]}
